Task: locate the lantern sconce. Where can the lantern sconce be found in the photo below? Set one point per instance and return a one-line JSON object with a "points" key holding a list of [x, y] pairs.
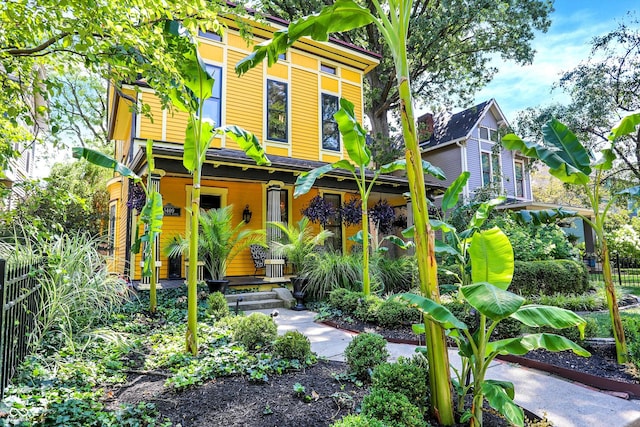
{"points": [[246, 214]]}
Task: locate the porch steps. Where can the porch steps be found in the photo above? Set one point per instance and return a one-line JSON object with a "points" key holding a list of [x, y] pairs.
{"points": [[255, 301]]}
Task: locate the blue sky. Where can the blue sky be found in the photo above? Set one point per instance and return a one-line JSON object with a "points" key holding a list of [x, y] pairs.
{"points": [[560, 49]]}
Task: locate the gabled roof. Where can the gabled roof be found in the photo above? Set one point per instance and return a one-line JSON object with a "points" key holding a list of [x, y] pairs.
{"points": [[453, 127]]}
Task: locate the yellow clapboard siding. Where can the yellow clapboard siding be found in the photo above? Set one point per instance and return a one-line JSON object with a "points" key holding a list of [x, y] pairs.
{"points": [[151, 127], [354, 94], [279, 70], [330, 84], [176, 125], [304, 115], [277, 151], [236, 41], [304, 61], [352, 76], [211, 52], [248, 113]]}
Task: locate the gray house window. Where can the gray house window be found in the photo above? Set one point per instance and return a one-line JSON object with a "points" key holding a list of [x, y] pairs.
{"points": [[213, 106], [490, 168], [519, 173], [489, 134]]}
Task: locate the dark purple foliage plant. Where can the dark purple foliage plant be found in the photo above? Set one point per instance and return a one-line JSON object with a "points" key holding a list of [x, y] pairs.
{"points": [[319, 211], [137, 197], [383, 216], [351, 212]]}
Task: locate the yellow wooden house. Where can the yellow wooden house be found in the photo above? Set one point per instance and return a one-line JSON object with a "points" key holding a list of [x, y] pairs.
{"points": [[289, 107]]}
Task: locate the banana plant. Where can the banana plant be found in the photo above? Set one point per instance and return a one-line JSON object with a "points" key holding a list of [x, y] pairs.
{"points": [[151, 215], [354, 138], [492, 265], [197, 86], [392, 19], [569, 161]]}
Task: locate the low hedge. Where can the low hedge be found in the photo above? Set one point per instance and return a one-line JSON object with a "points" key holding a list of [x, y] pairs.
{"points": [[549, 277]]}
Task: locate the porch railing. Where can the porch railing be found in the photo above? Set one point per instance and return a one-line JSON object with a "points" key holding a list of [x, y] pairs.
{"points": [[20, 301]]}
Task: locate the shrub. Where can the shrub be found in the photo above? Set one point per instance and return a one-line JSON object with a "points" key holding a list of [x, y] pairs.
{"points": [[217, 306], [405, 378], [365, 352], [292, 345], [631, 327], [367, 309], [393, 313], [549, 277], [345, 300], [255, 330], [358, 421], [392, 408]]}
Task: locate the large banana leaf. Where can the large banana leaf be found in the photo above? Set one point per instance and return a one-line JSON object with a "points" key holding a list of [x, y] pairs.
{"points": [[353, 134], [493, 302], [432, 310], [500, 395], [626, 126], [100, 159], [566, 157], [452, 194], [491, 258], [523, 345], [436, 224], [343, 15], [543, 315], [306, 180], [195, 146], [248, 142], [482, 213], [433, 170], [151, 216], [605, 159], [545, 216]]}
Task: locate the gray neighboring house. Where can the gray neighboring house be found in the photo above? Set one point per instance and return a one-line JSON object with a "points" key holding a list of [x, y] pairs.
{"points": [[466, 141]]}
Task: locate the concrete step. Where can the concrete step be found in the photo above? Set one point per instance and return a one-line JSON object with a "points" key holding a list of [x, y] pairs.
{"points": [[250, 296], [258, 304]]}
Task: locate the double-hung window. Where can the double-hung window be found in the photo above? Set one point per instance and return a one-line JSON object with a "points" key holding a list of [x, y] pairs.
{"points": [[277, 111], [489, 134], [490, 168], [212, 108], [519, 175], [330, 133]]}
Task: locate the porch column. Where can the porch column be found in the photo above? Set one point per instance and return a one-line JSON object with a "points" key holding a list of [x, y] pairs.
{"points": [[274, 263], [154, 185]]}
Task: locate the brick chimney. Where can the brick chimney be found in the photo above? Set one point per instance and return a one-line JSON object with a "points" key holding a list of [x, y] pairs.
{"points": [[425, 127]]}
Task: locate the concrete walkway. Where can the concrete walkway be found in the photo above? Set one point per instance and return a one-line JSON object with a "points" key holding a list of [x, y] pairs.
{"points": [[564, 403]]}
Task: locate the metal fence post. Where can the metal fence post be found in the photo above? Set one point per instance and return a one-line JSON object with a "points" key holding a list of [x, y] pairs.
{"points": [[3, 278], [618, 268]]}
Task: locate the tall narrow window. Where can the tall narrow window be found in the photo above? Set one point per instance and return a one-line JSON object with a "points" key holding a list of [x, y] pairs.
{"points": [[277, 111], [486, 168], [495, 168], [284, 206], [330, 133], [519, 171], [334, 224], [112, 228], [213, 106]]}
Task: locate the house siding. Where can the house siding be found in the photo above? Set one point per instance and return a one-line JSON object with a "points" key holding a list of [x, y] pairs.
{"points": [[447, 159]]}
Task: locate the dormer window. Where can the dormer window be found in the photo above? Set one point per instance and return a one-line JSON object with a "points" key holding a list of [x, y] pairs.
{"points": [[489, 134], [328, 69], [210, 36]]}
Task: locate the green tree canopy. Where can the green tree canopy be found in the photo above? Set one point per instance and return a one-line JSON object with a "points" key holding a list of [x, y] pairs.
{"points": [[449, 46]]}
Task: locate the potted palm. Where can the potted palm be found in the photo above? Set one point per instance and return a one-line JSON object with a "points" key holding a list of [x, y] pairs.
{"points": [[297, 244], [219, 242]]}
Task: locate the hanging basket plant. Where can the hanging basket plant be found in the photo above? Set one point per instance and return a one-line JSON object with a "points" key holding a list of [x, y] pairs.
{"points": [[319, 211], [383, 216], [137, 198], [351, 212]]}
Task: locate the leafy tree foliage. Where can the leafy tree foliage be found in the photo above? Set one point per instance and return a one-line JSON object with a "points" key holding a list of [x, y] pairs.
{"points": [[449, 47], [42, 40], [602, 89], [71, 199]]}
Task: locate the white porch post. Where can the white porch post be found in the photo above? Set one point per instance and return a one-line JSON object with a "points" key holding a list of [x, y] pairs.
{"points": [[274, 263], [407, 198], [156, 175]]}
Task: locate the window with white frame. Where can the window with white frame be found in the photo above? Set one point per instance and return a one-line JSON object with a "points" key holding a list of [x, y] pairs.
{"points": [[277, 99], [519, 177], [489, 134], [330, 133], [490, 164], [212, 108]]}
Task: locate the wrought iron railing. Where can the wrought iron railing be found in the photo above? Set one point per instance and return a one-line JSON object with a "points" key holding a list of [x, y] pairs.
{"points": [[625, 271]]}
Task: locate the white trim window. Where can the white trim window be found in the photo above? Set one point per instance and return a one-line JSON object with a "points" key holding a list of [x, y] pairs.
{"points": [[212, 108], [518, 173], [490, 167], [489, 134], [329, 105], [277, 110]]}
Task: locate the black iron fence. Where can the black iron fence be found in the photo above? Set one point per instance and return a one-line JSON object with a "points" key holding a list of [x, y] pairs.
{"points": [[20, 302], [625, 271]]}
